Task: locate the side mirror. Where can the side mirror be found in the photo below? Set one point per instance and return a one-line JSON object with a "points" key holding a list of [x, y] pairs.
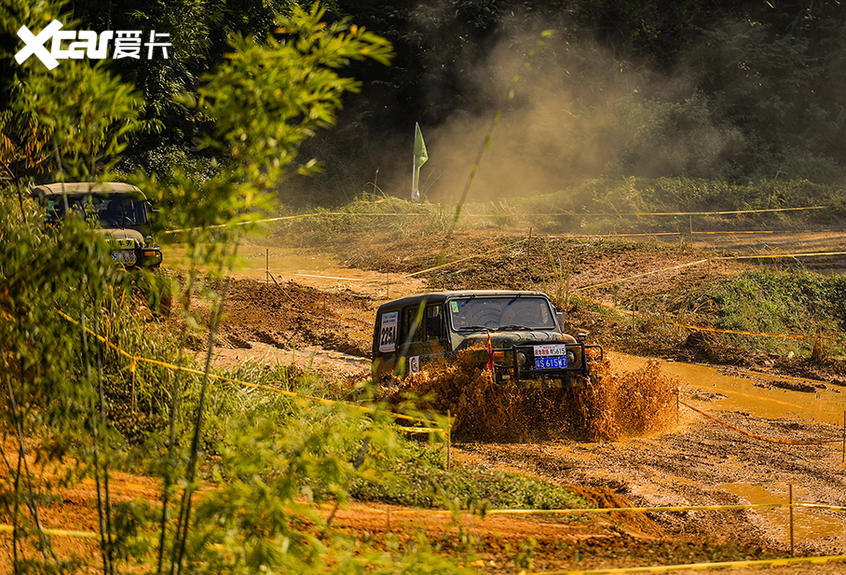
{"points": [[560, 316]]}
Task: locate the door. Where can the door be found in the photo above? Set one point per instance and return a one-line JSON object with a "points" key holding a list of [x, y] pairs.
{"points": [[425, 335]]}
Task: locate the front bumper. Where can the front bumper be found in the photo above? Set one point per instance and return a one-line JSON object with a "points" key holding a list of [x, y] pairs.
{"points": [[138, 257], [518, 364]]}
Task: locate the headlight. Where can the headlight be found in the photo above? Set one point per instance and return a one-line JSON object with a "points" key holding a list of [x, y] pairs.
{"points": [[571, 358], [522, 360]]}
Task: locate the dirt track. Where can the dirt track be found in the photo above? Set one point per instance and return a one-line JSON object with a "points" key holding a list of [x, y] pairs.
{"points": [[698, 463], [327, 323]]}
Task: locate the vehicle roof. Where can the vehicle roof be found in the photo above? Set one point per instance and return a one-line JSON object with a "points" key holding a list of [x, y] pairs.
{"points": [[439, 296], [82, 188]]}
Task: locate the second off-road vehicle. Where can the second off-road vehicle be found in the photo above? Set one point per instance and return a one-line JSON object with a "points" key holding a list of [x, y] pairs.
{"points": [[518, 334], [117, 210]]}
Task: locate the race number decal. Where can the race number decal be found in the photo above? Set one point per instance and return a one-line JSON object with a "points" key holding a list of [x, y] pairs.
{"points": [[414, 364], [388, 333]]}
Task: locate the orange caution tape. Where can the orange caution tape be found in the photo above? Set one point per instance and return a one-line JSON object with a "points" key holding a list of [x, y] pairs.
{"points": [[291, 394], [700, 327], [497, 250], [698, 566], [644, 274], [756, 436], [779, 256]]}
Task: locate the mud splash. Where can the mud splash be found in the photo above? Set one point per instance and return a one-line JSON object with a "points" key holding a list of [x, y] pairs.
{"points": [[612, 406]]}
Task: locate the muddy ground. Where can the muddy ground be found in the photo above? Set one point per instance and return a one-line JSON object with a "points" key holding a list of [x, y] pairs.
{"points": [[696, 462], [316, 309]]}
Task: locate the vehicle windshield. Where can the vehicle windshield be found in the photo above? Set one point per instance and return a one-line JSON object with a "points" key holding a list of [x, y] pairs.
{"points": [[500, 313], [102, 210]]}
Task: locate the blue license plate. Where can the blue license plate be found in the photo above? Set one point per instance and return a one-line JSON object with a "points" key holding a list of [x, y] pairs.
{"points": [[124, 257], [551, 362]]}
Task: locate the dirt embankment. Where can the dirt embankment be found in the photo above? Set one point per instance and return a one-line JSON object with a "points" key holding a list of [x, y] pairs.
{"points": [[567, 268], [290, 316]]}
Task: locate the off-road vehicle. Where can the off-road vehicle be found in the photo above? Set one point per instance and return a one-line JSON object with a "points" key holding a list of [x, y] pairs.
{"points": [[516, 333], [119, 211]]}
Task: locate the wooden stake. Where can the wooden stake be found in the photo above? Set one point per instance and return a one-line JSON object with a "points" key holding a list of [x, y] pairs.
{"points": [[678, 405], [388, 285], [690, 222], [389, 518], [448, 438], [790, 491], [133, 391], [267, 265], [843, 449]]}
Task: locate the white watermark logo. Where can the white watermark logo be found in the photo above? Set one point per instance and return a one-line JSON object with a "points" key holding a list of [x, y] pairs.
{"points": [[88, 43]]}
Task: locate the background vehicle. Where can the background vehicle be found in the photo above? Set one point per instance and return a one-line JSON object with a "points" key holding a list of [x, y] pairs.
{"points": [[520, 331], [117, 210]]}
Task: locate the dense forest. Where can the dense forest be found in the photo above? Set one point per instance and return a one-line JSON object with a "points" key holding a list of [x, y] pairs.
{"points": [[733, 91]]}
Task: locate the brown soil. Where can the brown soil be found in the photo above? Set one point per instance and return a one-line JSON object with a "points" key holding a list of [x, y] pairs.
{"points": [[561, 266], [491, 543], [696, 462], [289, 316]]}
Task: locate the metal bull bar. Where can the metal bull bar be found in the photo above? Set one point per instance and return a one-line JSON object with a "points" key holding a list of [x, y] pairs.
{"points": [[529, 370]]}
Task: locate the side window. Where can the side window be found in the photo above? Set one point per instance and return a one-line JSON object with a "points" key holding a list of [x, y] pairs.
{"points": [[434, 323], [410, 331]]}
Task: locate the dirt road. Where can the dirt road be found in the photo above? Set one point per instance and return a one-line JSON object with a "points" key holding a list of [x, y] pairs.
{"points": [[328, 319]]}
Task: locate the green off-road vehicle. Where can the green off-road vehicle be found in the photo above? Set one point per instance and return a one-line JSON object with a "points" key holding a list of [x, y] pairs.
{"points": [[516, 333], [119, 211]]}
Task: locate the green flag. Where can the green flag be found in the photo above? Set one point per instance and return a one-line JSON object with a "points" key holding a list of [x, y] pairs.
{"points": [[420, 153], [421, 156]]}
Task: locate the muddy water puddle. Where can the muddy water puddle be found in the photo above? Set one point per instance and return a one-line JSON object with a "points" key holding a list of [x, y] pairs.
{"points": [[807, 523], [741, 394], [714, 391]]}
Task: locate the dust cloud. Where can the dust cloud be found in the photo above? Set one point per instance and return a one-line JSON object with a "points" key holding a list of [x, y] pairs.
{"points": [[570, 112]]}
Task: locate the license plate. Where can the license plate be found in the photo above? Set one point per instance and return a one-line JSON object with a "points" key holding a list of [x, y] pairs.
{"points": [[124, 257], [551, 362], [550, 349]]}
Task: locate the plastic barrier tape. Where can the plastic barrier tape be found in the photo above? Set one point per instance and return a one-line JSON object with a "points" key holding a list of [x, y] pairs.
{"points": [[756, 436], [291, 394], [294, 217], [700, 566], [611, 214], [820, 506], [644, 274], [4, 528], [602, 510], [497, 250], [696, 327], [573, 214], [779, 256]]}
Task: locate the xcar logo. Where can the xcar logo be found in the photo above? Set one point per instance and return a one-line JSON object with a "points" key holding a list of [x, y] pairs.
{"points": [[86, 43]]}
